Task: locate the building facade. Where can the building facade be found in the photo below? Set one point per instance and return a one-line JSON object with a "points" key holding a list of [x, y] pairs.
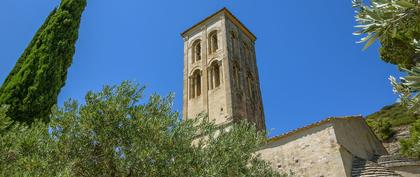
{"points": [[336, 147], [220, 71]]}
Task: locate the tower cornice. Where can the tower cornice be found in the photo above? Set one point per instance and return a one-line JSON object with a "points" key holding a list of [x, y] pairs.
{"points": [[229, 15]]}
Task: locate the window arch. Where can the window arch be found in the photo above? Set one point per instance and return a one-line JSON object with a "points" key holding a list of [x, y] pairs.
{"points": [[196, 51], [236, 75], [250, 82], [250, 57], [195, 84], [245, 52], [215, 78], [233, 41], [213, 42]]}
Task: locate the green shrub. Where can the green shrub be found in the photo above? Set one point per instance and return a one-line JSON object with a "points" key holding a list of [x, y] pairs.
{"points": [[115, 133], [410, 147], [382, 128], [396, 114]]}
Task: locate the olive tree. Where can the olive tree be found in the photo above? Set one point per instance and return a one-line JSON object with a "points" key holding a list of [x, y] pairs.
{"points": [[115, 133]]}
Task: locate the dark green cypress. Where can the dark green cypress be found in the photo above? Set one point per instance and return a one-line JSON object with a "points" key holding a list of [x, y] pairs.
{"points": [[32, 87]]}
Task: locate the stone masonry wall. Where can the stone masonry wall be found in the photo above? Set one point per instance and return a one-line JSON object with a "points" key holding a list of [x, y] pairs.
{"points": [[355, 138], [312, 152], [238, 96]]}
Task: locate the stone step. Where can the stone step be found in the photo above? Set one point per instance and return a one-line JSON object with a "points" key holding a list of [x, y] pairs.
{"points": [[366, 168]]}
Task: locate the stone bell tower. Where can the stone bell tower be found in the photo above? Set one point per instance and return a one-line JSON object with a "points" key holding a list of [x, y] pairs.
{"points": [[220, 71]]}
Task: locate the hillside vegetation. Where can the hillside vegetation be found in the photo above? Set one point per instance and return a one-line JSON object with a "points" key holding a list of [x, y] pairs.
{"points": [[389, 125], [388, 118], [396, 115]]}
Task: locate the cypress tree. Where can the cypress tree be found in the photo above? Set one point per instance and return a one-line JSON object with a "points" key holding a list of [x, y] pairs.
{"points": [[33, 85]]}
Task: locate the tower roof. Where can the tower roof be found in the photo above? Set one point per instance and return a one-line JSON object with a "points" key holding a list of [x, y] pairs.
{"points": [[230, 16]]}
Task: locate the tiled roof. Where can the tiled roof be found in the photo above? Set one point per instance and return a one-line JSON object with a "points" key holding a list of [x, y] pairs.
{"points": [[319, 123]]}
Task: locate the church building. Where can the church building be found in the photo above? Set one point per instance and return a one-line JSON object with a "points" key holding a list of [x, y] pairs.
{"points": [[221, 79]]}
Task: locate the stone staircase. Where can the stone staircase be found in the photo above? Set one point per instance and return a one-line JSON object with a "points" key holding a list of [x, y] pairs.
{"points": [[366, 168], [396, 160]]}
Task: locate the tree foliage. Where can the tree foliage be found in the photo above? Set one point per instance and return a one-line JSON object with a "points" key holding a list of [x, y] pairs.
{"points": [[409, 88], [115, 134], [395, 23], [411, 147], [33, 85]]}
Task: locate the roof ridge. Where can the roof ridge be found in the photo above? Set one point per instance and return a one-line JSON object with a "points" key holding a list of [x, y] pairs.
{"points": [[321, 122]]}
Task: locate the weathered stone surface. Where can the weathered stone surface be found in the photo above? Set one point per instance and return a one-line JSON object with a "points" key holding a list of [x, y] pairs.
{"points": [[366, 168], [311, 152], [220, 52], [326, 148], [404, 166]]}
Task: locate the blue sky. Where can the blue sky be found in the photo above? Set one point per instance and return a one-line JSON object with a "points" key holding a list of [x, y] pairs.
{"points": [[310, 67]]}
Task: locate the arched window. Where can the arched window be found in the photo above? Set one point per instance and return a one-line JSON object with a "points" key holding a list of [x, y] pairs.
{"points": [[195, 84], [236, 76], [233, 41], [250, 57], [245, 52], [213, 42], [250, 83], [214, 75], [196, 51]]}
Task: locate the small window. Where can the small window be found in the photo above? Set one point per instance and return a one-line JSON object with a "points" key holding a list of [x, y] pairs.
{"points": [[213, 42], [196, 51]]}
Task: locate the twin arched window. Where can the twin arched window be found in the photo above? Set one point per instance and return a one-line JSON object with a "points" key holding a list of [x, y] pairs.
{"points": [[213, 46], [195, 84], [214, 79]]}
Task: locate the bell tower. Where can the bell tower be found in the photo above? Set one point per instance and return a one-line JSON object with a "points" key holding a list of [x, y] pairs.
{"points": [[220, 71]]}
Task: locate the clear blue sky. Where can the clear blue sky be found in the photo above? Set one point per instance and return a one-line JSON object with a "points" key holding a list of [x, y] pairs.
{"points": [[310, 67]]}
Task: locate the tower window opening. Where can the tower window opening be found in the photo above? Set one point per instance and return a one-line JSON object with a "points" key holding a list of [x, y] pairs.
{"points": [[245, 52], [236, 77], [250, 86], [213, 42], [214, 75], [197, 51], [195, 84], [233, 41]]}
